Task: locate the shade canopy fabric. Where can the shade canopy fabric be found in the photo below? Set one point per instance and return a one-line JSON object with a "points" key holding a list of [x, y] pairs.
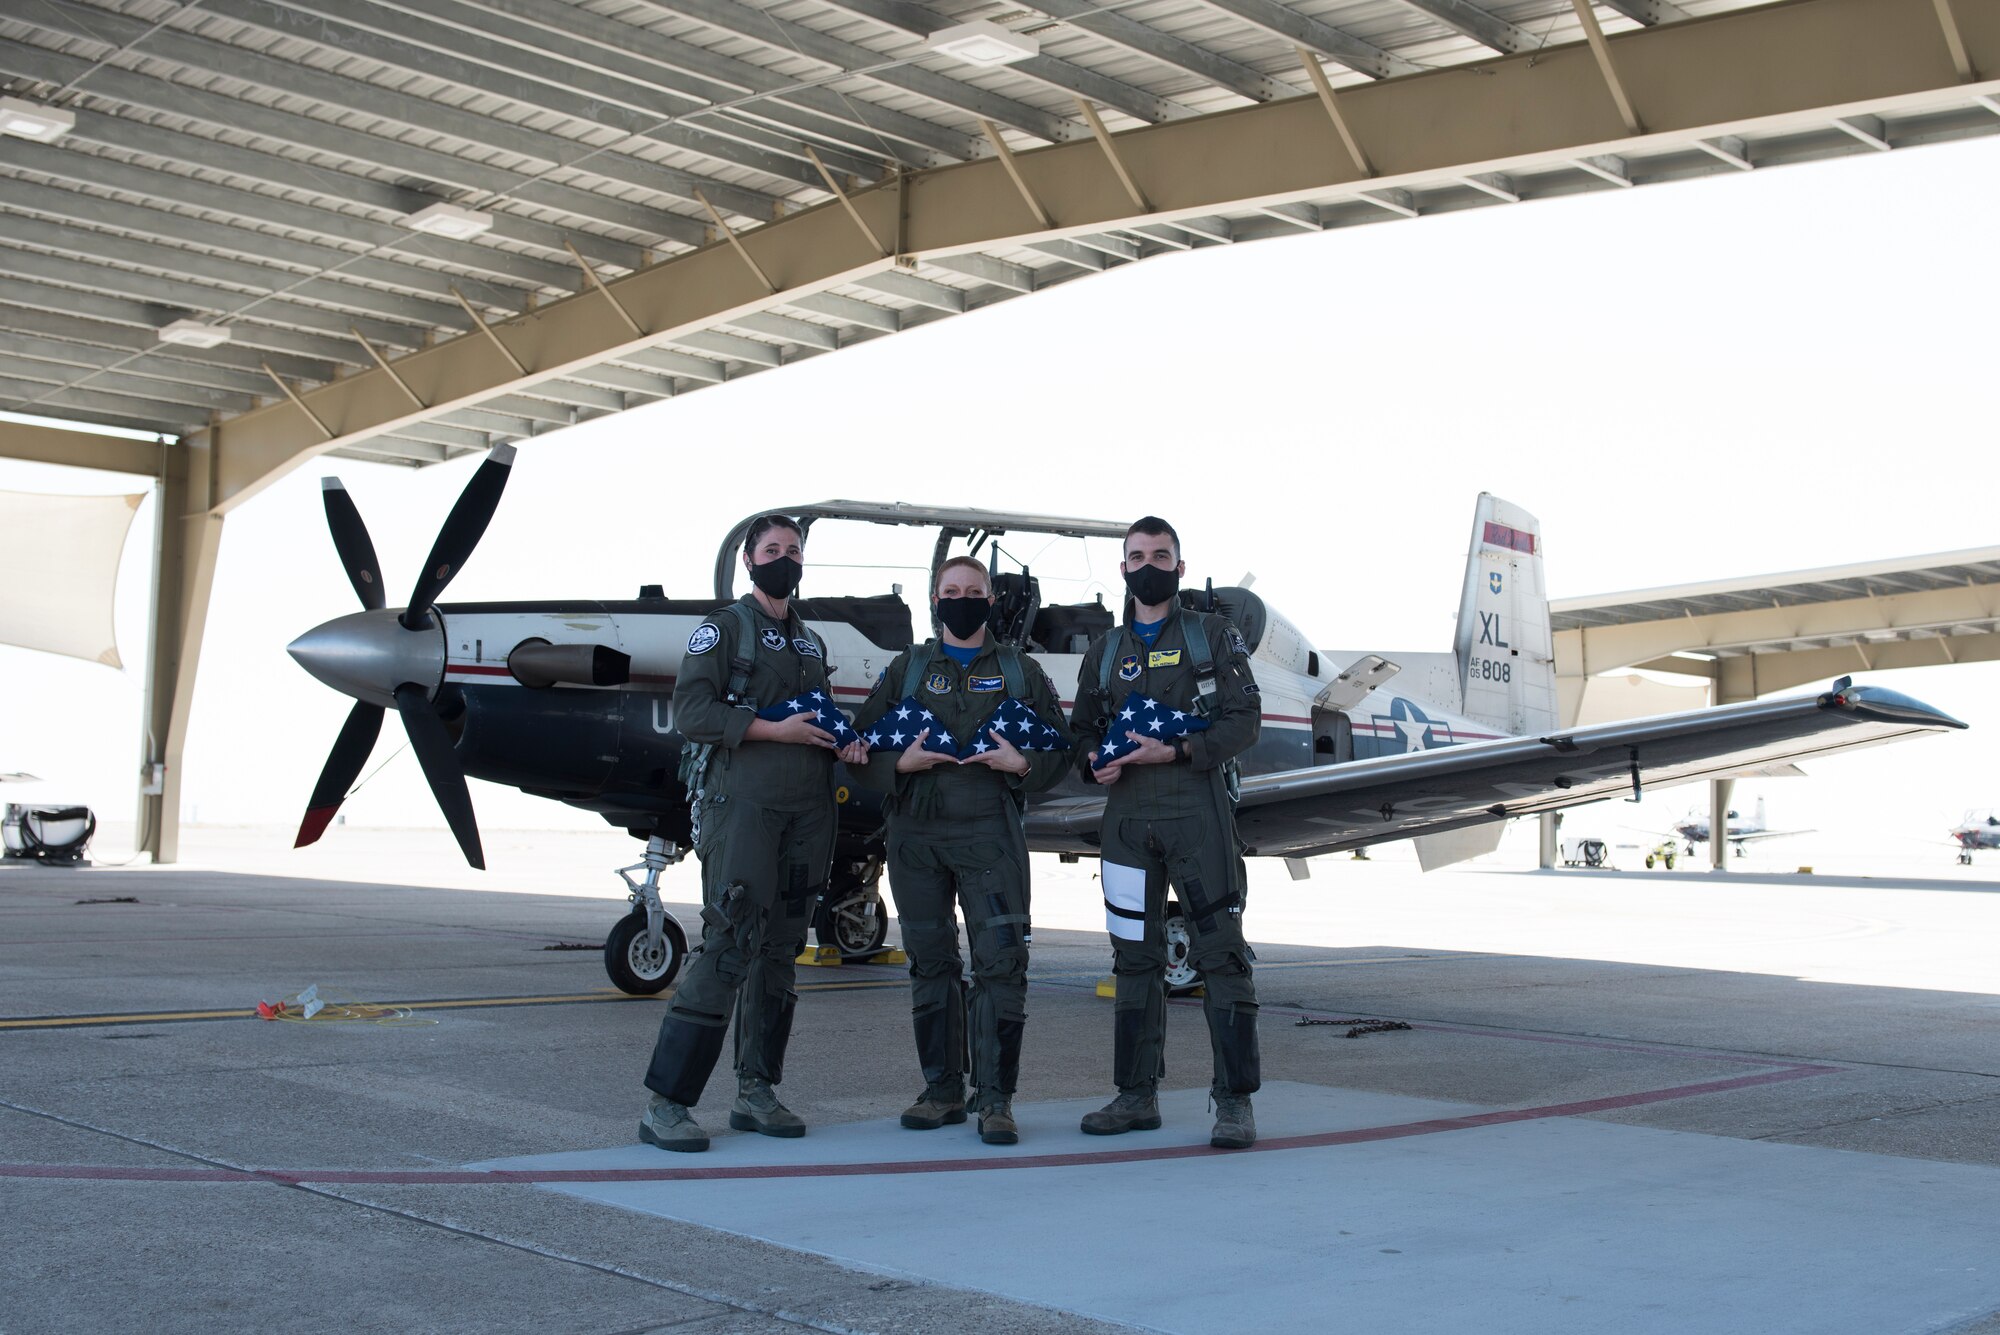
{"points": [[59, 572]]}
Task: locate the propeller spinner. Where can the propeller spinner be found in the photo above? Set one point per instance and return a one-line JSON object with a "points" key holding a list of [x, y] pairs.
{"points": [[395, 659]]}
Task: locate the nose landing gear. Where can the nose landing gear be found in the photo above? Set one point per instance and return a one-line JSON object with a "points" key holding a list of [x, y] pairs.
{"points": [[647, 947]]}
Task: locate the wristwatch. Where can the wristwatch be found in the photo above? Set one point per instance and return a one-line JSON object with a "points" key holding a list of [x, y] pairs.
{"points": [[1182, 751]]}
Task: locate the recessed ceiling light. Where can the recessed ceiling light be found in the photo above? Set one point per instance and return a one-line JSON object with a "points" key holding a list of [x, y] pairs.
{"points": [[32, 120], [195, 334], [981, 42], [448, 220]]}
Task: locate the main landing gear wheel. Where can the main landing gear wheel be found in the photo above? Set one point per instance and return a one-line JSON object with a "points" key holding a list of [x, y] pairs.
{"points": [[638, 966], [1181, 975], [856, 926]]}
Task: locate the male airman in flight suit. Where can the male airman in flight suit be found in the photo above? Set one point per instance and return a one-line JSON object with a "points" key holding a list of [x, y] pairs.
{"points": [[1170, 817], [955, 842], [764, 822]]}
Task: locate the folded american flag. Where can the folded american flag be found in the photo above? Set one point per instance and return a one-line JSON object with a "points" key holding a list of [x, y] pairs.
{"points": [[1021, 726], [820, 705], [900, 726], [1148, 718]]}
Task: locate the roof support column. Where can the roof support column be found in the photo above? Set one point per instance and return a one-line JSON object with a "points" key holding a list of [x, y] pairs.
{"points": [[1735, 682], [190, 535]]}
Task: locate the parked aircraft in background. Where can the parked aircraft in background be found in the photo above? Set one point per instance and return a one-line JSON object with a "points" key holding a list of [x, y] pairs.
{"points": [[573, 701], [1693, 829], [1979, 829]]}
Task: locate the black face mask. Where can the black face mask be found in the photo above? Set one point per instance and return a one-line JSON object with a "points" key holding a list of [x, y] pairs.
{"points": [[777, 579], [964, 616], [1151, 585]]}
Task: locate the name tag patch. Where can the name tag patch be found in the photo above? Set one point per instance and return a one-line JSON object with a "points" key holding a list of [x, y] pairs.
{"points": [[806, 648], [1163, 658], [988, 683], [1128, 668], [772, 638], [938, 684]]}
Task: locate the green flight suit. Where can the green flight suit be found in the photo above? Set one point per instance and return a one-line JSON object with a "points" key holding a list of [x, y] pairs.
{"points": [[764, 827], [1175, 823], [955, 844]]}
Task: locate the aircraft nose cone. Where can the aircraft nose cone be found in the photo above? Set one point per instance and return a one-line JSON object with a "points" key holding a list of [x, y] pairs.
{"points": [[367, 655]]}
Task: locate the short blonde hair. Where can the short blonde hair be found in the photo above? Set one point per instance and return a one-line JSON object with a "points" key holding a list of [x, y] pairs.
{"points": [[971, 562]]}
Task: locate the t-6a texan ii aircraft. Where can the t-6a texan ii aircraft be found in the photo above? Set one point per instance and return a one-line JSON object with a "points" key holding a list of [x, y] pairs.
{"points": [[573, 701]]}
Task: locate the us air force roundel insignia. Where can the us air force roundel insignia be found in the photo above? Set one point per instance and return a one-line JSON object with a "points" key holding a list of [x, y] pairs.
{"points": [[938, 684], [772, 638], [705, 637], [805, 647], [1128, 668]]}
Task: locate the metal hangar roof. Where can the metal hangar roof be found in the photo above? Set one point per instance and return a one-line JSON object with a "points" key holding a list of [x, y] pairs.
{"points": [[408, 229]]}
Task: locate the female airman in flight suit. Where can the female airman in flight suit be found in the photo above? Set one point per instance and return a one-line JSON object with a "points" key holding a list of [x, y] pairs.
{"points": [[955, 843]]}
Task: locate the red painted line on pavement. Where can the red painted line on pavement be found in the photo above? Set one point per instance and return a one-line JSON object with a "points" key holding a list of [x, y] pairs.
{"points": [[557, 1176]]}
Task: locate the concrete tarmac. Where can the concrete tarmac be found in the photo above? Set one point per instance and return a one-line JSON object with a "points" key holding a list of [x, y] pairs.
{"points": [[1694, 1053]]}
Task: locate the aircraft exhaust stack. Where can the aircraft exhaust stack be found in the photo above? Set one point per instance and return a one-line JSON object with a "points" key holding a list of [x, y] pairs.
{"points": [[395, 660]]}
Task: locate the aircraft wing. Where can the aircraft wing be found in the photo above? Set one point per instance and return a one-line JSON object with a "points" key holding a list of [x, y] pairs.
{"points": [[1764, 834], [1299, 813]]}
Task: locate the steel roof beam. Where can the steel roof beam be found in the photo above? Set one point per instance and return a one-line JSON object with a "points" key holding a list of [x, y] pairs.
{"points": [[284, 76], [1217, 69], [126, 340], [460, 49], [86, 356], [132, 136], [632, 55], [918, 291], [681, 365], [289, 348], [762, 26], [330, 139], [987, 269], [131, 386], [1363, 57], [1793, 66], [39, 396], [158, 224], [203, 266], [1647, 12], [921, 21], [80, 449], [784, 327], [850, 309], [1482, 26], [177, 293]]}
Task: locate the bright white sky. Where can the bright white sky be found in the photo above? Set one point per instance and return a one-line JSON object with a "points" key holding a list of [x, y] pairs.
{"points": [[1749, 374]]}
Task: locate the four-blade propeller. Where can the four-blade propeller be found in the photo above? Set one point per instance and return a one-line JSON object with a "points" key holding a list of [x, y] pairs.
{"points": [[381, 660]]}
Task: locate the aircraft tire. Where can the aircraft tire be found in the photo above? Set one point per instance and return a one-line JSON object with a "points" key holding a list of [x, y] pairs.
{"points": [[1182, 977], [634, 969], [851, 927]]}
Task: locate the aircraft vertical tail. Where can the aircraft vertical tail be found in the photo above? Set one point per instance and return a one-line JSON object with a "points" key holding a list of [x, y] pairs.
{"points": [[1762, 824], [1505, 649]]}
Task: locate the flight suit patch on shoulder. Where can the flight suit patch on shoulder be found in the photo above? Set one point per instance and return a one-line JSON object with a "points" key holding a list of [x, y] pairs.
{"points": [[705, 637]]}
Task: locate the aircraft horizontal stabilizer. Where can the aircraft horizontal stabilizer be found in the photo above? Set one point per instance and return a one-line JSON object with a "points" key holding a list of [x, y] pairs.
{"points": [[1299, 813], [1356, 682]]}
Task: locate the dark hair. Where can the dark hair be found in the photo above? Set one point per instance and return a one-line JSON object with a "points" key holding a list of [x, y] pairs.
{"points": [[764, 524], [1153, 524]]}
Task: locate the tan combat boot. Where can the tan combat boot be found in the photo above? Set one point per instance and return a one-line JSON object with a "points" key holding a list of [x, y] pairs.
{"points": [[671, 1127], [938, 1105], [996, 1124], [1133, 1110], [757, 1109], [1235, 1127]]}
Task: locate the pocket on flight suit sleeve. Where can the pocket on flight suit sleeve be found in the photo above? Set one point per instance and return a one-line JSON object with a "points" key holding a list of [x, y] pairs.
{"points": [[1124, 900]]}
